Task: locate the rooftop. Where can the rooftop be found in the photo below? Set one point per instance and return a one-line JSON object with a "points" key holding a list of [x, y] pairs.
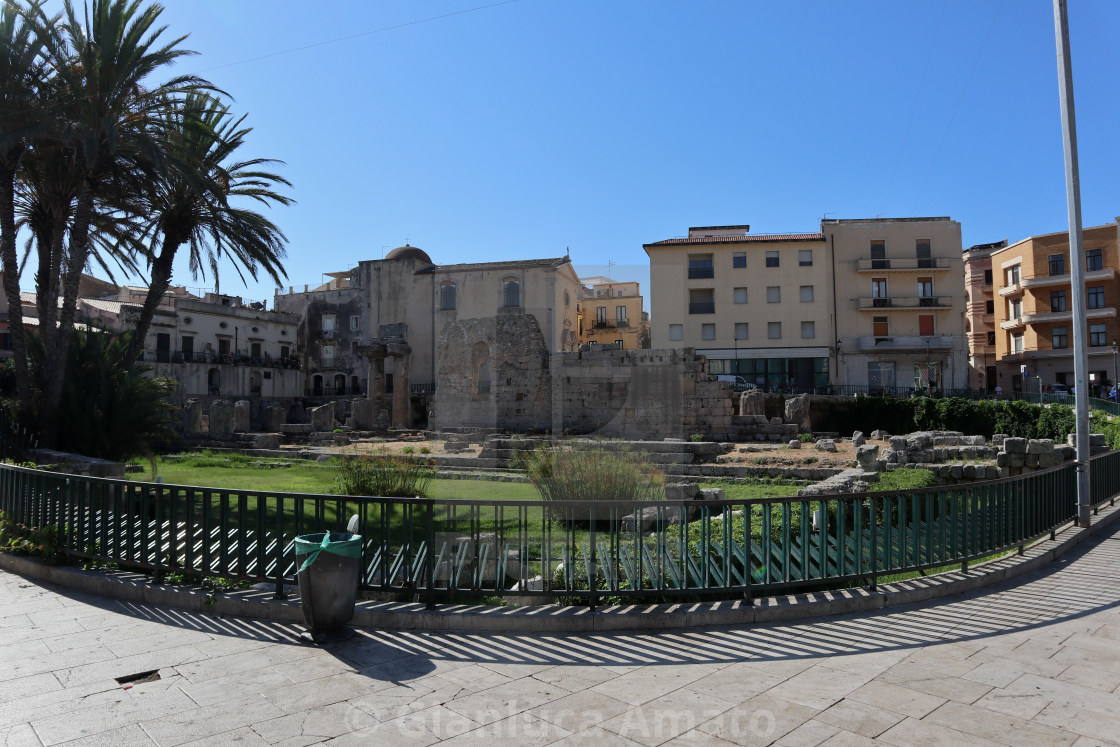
{"points": [[515, 264], [760, 238]]}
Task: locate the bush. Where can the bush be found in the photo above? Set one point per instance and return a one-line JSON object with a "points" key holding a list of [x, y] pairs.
{"points": [[383, 476], [907, 478], [41, 542], [591, 473], [806, 438], [986, 417]]}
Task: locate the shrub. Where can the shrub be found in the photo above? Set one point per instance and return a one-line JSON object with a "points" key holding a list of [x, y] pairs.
{"points": [[408, 450], [696, 437], [590, 473], [41, 542], [906, 478], [384, 476], [806, 438]]}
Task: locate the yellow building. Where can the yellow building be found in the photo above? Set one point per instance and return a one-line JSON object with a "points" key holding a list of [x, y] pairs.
{"points": [[610, 312], [1033, 310], [758, 306], [899, 303], [979, 318]]}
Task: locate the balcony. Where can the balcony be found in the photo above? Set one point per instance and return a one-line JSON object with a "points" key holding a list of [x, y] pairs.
{"points": [[623, 324], [905, 303], [905, 343], [699, 273], [1012, 323], [1040, 281], [1066, 316], [705, 307], [907, 264], [211, 358], [1010, 290]]}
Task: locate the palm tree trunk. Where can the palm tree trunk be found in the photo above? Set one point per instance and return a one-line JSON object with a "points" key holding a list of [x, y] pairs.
{"points": [[54, 364], [11, 290], [161, 280]]}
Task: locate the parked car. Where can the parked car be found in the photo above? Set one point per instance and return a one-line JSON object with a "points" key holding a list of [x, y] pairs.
{"points": [[1060, 389], [738, 383]]}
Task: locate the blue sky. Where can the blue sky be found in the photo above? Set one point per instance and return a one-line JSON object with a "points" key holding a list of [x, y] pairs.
{"points": [[523, 129]]}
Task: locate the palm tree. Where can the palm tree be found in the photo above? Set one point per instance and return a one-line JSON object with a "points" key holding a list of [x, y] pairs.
{"points": [[22, 72], [191, 204], [102, 127]]}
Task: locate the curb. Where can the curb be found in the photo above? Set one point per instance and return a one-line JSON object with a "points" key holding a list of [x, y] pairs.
{"points": [[134, 587]]}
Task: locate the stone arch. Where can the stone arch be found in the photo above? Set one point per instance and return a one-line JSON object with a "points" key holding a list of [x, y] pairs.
{"points": [[214, 381], [339, 383]]}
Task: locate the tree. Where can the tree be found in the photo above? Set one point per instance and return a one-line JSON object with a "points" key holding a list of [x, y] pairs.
{"points": [[190, 204], [98, 135]]}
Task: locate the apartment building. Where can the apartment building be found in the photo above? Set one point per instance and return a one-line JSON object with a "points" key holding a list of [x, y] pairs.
{"points": [[979, 318], [899, 302], [1033, 309], [759, 306], [610, 312]]}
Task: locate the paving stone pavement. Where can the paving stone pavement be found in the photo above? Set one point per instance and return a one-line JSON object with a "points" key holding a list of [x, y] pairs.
{"points": [[1034, 662]]}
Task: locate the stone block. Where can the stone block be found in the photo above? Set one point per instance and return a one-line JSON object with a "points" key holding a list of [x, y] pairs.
{"points": [[221, 417], [794, 443], [322, 417], [1032, 460], [797, 412], [241, 416], [1016, 460], [775, 421], [956, 471], [974, 441], [879, 435], [998, 439], [825, 444], [192, 417], [1014, 445], [1053, 459], [867, 455], [681, 491], [1002, 459], [266, 440], [272, 418], [1040, 445], [363, 415], [898, 443], [752, 402], [858, 439]]}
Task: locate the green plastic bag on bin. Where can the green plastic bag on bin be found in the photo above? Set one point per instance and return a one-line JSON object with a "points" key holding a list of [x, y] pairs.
{"points": [[339, 543]]}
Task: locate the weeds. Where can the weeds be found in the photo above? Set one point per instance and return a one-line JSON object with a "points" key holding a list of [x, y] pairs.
{"points": [[383, 476]]}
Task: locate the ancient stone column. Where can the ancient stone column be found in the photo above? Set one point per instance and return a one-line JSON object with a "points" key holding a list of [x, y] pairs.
{"points": [[402, 399]]}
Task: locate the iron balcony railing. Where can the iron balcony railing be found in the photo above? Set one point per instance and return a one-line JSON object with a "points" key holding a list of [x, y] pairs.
{"points": [[902, 263], [210, 357], [702, 307], [443, 549]]}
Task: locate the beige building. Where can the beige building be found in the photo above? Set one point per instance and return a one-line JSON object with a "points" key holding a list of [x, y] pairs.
{"points": [[979, 318], [899, 303], [758, 306], [1033, 312], [408, 299], [610, 312]]}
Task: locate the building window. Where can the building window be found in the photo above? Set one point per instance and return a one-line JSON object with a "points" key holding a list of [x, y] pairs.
{"points": [[1015, 308], [925, 288], [879, 259], [1096, 297], [774, 330], [1097, 334], [600, 316], [924, 252], [1013, 275], [989, 307], [1094, 260], [806, 294], [326, 356], [1059, 337], [740, 295], [925, 325], [1058, 301], [447, 296], [620, 315], [328, 325], [880, 374], [1017, 342], [880, 327], [739, 259], [879, 292], [701, 301], [987, 277], [700, 266], [353, 323], [511, 293], [618, 344], [741, 331], [808, 330], [774, 294], [991, 338], [1057, 264], [805, 257], [707, 331], [771, 259], [676, 332]]}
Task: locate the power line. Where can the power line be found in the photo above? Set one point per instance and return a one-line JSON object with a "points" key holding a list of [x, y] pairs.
{"points": [[944, 137], [357, 36]]}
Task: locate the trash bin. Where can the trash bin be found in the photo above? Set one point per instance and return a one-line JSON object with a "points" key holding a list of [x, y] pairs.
{"points": [[328, 583]]}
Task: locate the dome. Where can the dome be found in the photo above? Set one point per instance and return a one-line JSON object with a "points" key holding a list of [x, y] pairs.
{"points": [[410, 252]]}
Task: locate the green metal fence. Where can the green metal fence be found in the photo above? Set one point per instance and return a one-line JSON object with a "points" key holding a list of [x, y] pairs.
{"points": [[442, 550]]}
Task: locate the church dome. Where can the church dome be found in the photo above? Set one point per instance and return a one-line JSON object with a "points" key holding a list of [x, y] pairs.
{"points": [[410, 252]]}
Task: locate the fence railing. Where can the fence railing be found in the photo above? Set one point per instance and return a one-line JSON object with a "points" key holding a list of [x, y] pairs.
{"points": [[442, 550]]}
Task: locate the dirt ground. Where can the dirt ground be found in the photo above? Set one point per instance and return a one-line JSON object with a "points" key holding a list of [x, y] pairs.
{"points": [[745, 454]]}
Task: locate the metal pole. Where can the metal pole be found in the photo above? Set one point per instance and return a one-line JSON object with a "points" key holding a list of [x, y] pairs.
{"points": [[1076, 260]]}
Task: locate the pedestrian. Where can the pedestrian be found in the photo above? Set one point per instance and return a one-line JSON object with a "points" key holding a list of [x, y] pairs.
{"points": [[999, 392]]}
